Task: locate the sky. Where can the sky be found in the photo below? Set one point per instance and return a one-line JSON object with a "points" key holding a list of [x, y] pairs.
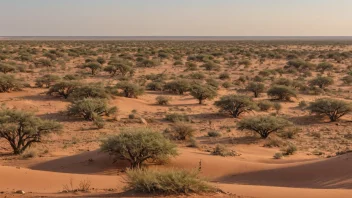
{"points": [[175, 17]]}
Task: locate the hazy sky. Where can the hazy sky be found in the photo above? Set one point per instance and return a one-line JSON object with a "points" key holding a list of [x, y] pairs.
{"points": [[175, 17]]}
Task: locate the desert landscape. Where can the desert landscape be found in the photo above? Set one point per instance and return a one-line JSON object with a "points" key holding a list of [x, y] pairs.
{"points": [[105, 118]]}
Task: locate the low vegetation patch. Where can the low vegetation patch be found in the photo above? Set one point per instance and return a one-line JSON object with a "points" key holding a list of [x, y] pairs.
{"points": [[167, 182]]}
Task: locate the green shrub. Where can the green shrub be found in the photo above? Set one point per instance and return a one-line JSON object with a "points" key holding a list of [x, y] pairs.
{"points": [[21, 129], [93, 66], [281, 92], [265, 105], [163, 100], [256, 88], [223, 151], [9, 83], [264, 125], [321, 81], [324, 66], [46, 80], [130, 90], [90, 108], [347, 80], [177, 86], [211, 66], [168, 182], [214, 134], [332, 108], [6, 68], [91, 90], [273, 142], [289, 150], [155, 86], [63, 88], [235, 104], [180, 131], [278, 156], [224, 76], [227, 84], [138, 146], [176, 117], [203, 92]]}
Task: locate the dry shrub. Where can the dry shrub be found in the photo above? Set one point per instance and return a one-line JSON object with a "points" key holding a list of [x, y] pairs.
{"points": [[168, 182]]}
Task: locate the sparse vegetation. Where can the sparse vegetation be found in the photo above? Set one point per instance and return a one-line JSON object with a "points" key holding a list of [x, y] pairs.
{"points": [[138, 145]]}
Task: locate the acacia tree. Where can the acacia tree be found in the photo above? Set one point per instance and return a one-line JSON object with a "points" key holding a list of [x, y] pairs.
{"points": [[123, 69], [177, 86], [22, 129], [256, 88], [281, 92], [236, 104], [321, 82], [93, 66], [130, 90], [203, 92], [138, 146], [333, 108], [63, 88], [264, 125]]}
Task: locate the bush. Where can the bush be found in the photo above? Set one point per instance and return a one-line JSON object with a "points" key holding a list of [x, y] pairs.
{"points": [[333, 108], [90, 109], [278, 156], [6, 68], [236, 104], [176, 117], [138, 145], [63, 88], [46, 80], [321, 82], [281, 92], [283, 81], [21, 129], [265, 105], [324, 66], [222, 151], [211, 66], [180, 131], [347, 80], [118, 66], [224, 76], [163, 100], [227, 84], [92, 90], [9, 83], [203, 92], [214, 134], [191, 66], [155, 86], [256, 88], [130, 90], [178, 62], [302, 104], [177, 86], [264, 125], [168, 182], [289, 150], [93, 66]]}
